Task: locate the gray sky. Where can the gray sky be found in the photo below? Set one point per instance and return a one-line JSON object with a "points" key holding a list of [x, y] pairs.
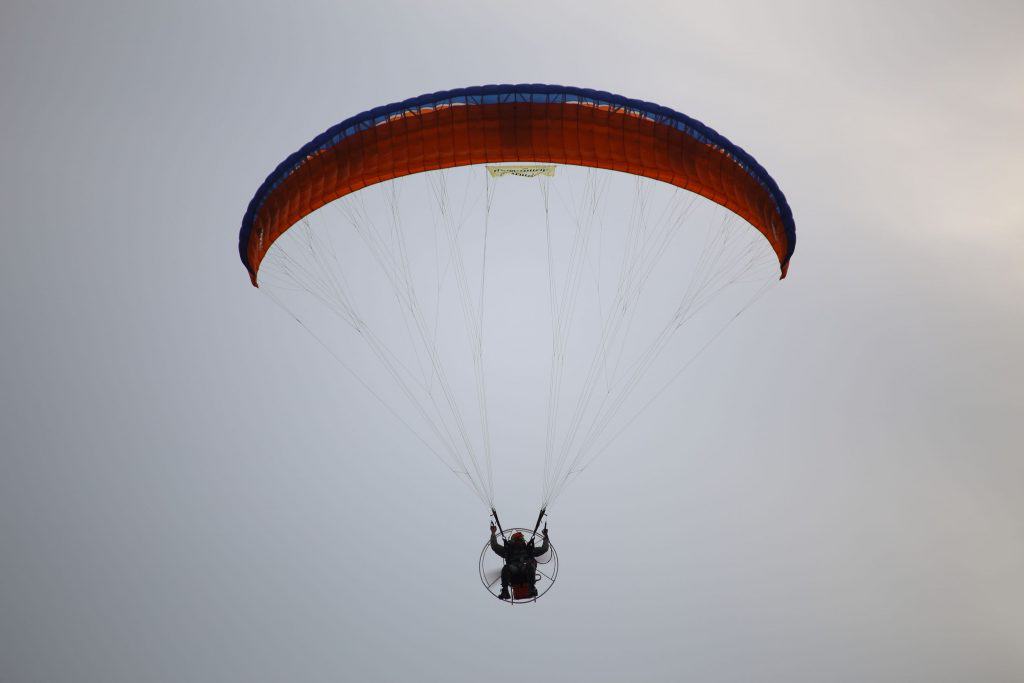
{"points": [[191, 491]]}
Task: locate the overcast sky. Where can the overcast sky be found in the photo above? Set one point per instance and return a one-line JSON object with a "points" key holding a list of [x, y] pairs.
{"points": [[190, 490]]}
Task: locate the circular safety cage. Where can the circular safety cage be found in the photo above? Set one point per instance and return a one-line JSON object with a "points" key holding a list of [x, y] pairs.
{"points": [[546, 569]]}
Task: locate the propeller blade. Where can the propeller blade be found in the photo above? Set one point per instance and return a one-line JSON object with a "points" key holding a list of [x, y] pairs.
{"points": [[492, 576]]}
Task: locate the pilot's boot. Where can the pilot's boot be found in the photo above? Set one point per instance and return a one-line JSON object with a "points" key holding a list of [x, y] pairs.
{"points": [[503, 595]]}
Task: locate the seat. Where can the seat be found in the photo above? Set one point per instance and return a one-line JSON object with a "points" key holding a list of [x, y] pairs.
{"points": [[523, 591]]}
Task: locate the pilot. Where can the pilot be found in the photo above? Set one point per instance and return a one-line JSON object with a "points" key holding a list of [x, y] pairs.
{"points": [[520, 561]]}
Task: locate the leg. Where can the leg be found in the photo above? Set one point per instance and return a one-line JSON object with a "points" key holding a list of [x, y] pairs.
{"points": [[505, 576], [532, 564]]}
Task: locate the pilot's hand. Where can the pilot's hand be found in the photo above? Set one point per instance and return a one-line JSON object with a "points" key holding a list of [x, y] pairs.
{"points": [[493, 529], [545, 532]]}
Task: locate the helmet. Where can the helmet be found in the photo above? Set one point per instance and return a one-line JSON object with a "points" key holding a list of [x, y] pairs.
{"points": [[518, 537]]}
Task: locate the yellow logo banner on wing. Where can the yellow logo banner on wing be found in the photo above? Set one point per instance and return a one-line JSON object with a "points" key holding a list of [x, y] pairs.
{"points": [[522, 171]]}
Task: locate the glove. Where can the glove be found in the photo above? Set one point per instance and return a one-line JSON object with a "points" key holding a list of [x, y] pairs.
{"points": [[493, 529], [545, 532]]}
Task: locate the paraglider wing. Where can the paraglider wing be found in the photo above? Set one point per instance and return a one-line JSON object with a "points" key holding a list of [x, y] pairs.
{"points": [[508, 123]]}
